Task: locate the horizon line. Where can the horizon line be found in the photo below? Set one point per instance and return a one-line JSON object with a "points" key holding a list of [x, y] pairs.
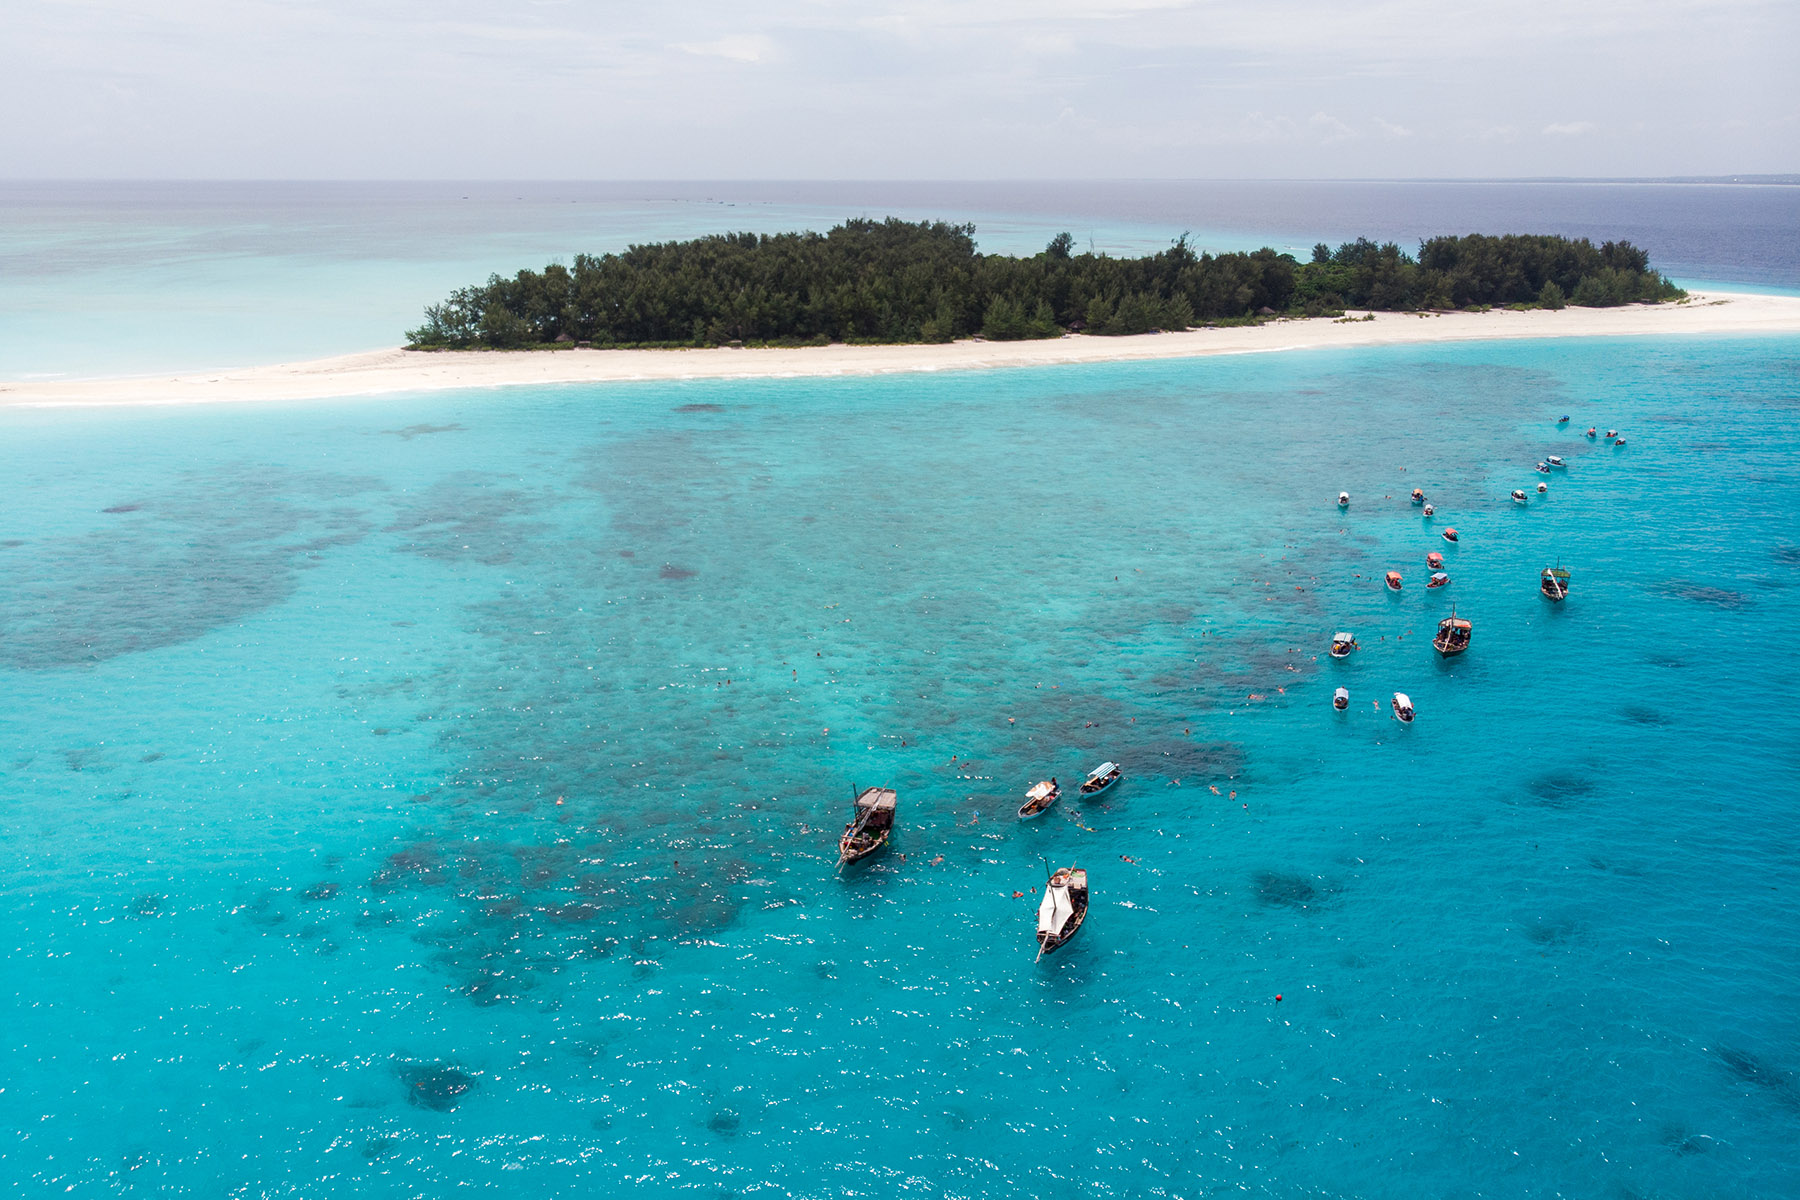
{"points": [[1740, 179]]}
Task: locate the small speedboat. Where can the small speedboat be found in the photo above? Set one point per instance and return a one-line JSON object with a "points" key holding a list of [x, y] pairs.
{"points": [[1434, 560], [1393, 581], [1342, 645], [1429, 509], [1543, 468], [1556, 461], [1618, 441], [1518, 496], [1343, 499], [871, 828], [1590, 431], [1563, 420], [1100, 779], [1611, 434], [1450, 535], [1542, 488], [1418, 496], [1403, 708], [1340, 699], [1554, 583], [1039, 799], [1063, 908], [1453, 634], [1438, 579]]}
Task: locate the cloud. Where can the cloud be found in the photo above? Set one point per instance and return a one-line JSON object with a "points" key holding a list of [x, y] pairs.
{"points": [[1329, 129], [1570, 128], [744, 48], [1389, 129]]}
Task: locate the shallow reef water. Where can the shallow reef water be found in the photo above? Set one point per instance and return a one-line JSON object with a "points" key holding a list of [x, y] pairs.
{"points": [[443, 791]]}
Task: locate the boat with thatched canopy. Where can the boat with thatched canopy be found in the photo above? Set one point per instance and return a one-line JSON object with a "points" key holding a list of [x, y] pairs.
{"points": [[872, 826]]}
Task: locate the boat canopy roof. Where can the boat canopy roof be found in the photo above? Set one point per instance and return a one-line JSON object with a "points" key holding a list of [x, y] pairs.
{"points": [[1055, 909], [1039, 791], [1436, 575], [1403, 700], [876, 798], [1103, 770], [1343, 636]]}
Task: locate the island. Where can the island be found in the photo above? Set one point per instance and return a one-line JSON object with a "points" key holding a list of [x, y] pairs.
{"points": [[895, 282]]}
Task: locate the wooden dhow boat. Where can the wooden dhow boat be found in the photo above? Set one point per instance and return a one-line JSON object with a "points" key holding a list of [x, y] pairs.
{"points": [[872, 826], [1101, 778], [1039, 799], [1554, 583], [1453, 634], [1063, 908]]}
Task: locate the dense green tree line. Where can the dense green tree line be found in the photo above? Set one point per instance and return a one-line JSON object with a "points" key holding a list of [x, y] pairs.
{"points": [[900, 281]]}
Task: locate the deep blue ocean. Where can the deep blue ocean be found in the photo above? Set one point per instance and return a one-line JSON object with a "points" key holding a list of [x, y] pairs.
{"points": [[424, 793]]}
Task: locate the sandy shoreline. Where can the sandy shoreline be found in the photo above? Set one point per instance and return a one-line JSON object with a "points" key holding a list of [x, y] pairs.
{"points": [[382, 372]]}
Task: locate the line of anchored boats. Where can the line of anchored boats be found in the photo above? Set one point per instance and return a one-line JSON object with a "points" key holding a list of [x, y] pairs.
{"points": [[1064, 905], [1453, 632]]}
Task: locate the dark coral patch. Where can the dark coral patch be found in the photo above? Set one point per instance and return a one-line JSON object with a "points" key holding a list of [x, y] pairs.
{"points": [[671, 571], [1702, 593], [435, 1085], [1279, 890], [1560, 791]]}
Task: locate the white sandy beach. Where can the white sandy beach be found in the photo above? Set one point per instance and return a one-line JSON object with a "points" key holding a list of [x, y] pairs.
{"points": [[382, 372]]}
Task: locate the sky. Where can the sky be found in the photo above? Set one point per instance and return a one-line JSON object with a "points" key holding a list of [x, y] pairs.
{"points": [[897, 89]]}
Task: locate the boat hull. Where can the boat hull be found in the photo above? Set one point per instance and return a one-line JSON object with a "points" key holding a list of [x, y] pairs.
{"points": [[848, 853], [1105, 785], [1049, 943]]}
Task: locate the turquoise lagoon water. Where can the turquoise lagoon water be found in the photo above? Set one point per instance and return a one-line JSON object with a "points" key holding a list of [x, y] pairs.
{"points": [[441, 792]]}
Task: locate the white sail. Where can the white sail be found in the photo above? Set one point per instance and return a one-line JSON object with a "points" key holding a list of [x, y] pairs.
{"points": [[1054, 911]]}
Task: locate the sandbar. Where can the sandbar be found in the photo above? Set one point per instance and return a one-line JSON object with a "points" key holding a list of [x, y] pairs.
{"points": [[385, 372]]}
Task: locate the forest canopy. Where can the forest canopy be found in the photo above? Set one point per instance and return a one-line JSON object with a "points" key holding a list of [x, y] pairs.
{"points": [[903, 281]]}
